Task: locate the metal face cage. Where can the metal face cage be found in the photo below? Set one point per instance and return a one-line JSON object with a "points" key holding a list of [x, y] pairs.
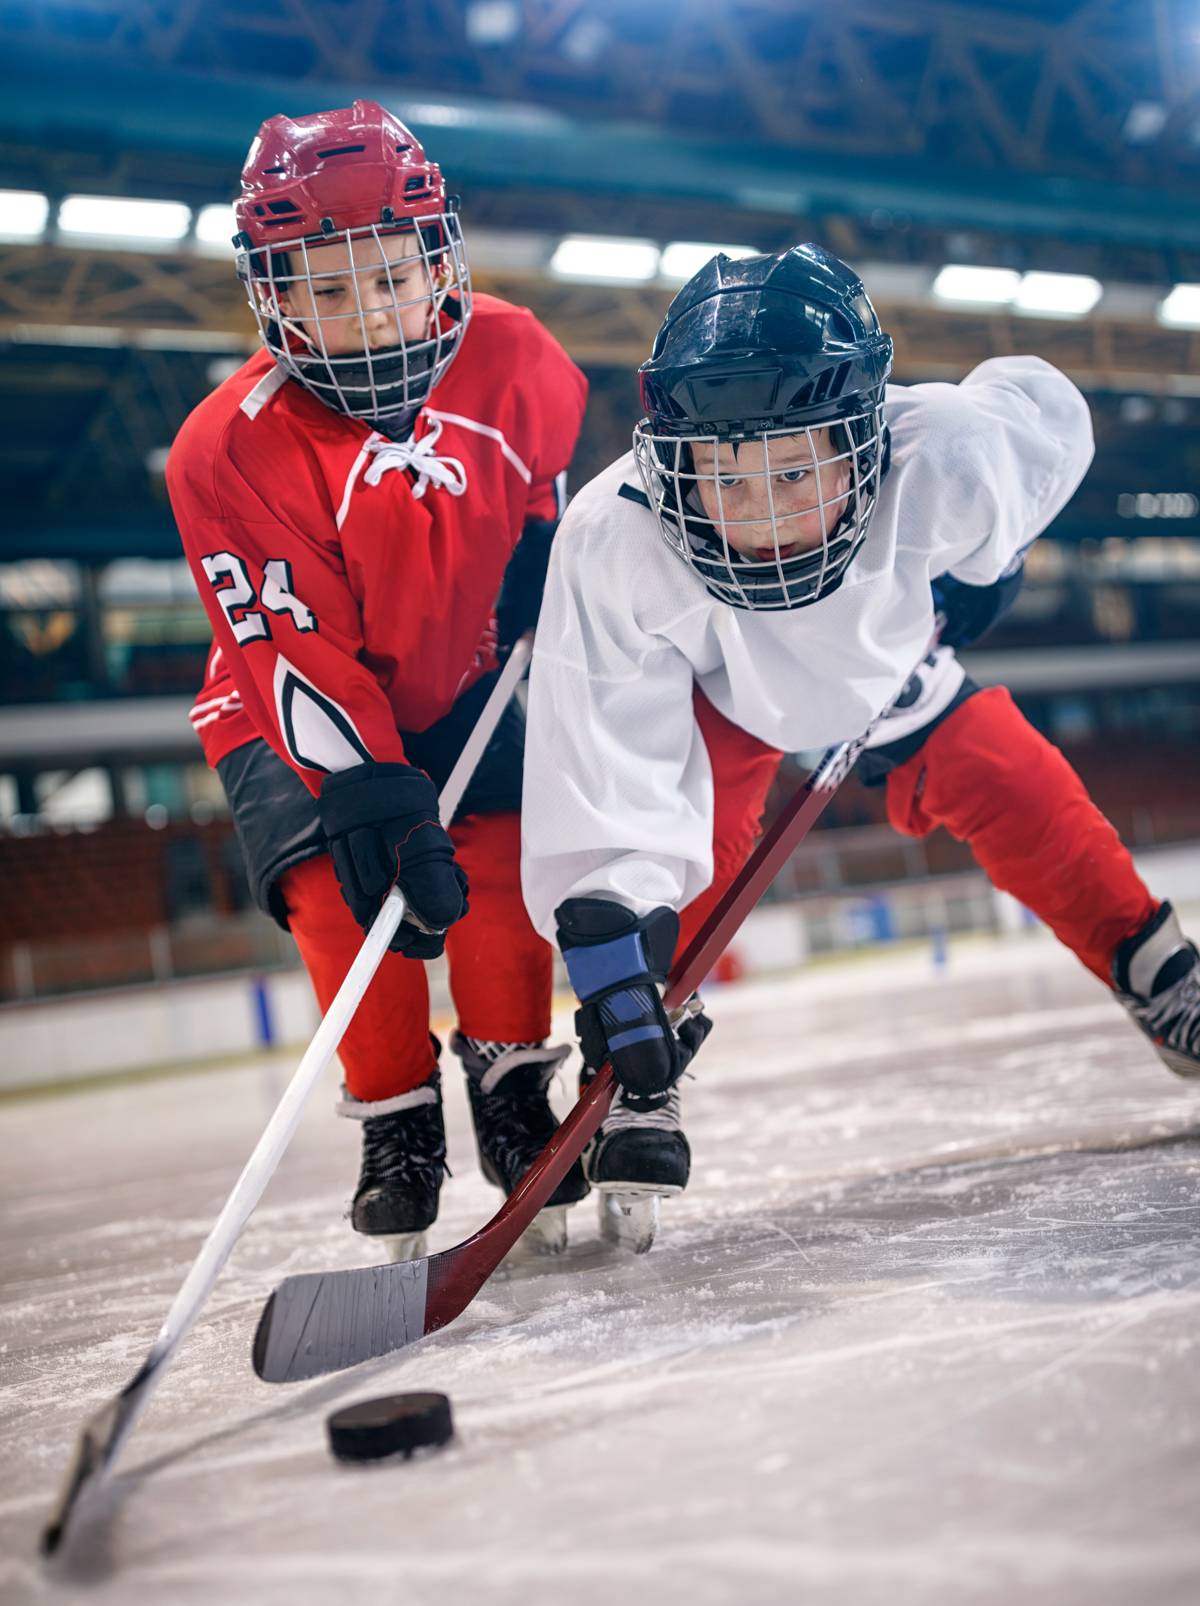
{"points": [[800, 501], [369, 330]]}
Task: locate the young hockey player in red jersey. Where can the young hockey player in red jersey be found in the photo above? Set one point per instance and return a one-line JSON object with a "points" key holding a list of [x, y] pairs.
{"points": [[367, 507], [770, 556]]}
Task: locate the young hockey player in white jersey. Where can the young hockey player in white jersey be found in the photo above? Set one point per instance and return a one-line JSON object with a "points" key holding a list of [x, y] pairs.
{"points": [[759, 576]]}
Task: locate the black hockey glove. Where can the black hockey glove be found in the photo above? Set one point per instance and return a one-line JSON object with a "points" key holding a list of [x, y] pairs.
{"points": [[520, 598], [382, 824], [971, 611], [617, 964]]}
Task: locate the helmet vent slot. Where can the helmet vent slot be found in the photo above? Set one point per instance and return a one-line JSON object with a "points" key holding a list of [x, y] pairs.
{"points": [[340, 150], [274, 169], [825, 387], [412, 185], [289, 208]]}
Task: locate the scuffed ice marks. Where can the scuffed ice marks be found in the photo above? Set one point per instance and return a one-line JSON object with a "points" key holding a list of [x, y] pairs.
{"points": [[1077, 1227], [924, 1328]]}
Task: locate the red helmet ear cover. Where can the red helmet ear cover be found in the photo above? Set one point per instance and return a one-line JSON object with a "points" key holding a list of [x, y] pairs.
{"points": [[351, 166]]}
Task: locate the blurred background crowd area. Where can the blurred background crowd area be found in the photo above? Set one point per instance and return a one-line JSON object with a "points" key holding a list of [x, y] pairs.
{"points": [[1006, 175]]}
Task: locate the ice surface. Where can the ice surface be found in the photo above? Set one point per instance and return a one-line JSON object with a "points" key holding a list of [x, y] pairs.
{"points": [[923, 1329]]}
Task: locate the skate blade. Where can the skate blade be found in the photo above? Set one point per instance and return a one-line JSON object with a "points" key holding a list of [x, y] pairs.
{"points": [[1182, 1064], [546, 1234], [404, 1245], [629, 1218], [543, 1240]]}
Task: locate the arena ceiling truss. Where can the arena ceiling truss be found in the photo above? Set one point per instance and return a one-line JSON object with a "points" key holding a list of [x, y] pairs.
{"points": [[1001, 93], [1013, 84]]}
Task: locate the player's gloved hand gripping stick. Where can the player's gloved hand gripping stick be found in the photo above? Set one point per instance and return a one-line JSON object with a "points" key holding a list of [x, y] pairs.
{"points": [[383, 828], [321, 1322], [104, 1433]]}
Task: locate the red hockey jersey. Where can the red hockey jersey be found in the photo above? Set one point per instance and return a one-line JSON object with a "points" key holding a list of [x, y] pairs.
{"points": [[350, 579]]}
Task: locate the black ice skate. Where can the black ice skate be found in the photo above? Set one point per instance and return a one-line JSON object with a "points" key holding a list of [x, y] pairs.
{"points": [[403, 1162], [1157, 976], [639, 1156], [506, 1084]]}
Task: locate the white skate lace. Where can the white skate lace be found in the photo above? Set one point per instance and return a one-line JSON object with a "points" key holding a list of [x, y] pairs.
{"points": [[665, 1118], [446, 473], [1172, 1017]]}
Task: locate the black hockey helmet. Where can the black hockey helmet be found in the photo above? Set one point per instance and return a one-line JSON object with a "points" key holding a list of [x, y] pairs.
{"points": [[759, 350]]}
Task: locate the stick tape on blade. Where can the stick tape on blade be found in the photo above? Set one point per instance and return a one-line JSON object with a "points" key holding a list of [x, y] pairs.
{"points": [[310, 1320]]}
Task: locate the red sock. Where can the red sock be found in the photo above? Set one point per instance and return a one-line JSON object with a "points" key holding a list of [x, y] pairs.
{"points": [[386, 1049], [500, 969]]}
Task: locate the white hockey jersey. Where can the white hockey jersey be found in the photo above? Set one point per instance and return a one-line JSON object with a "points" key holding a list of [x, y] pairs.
{"points": [[618, 799]]}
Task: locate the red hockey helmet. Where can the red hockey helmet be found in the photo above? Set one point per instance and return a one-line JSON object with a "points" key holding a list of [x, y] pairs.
{"points": [[354, 167], [322, 200]]}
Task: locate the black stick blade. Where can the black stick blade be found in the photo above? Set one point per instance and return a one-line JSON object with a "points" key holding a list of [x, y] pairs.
{"points": [[324, 1321], [96, 1447]]}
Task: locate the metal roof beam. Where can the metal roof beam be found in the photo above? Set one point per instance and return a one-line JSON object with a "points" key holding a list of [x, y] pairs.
{"points": [[495, 144]]}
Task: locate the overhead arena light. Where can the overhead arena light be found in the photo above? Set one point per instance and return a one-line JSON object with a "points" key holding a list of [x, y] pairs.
{"points": [[1181, 309], [682, 258], [983, 287], [115, 217], [23, 214], [1144, 121], [603, 259], [216, 227], [492, 22], [1061, 295]]}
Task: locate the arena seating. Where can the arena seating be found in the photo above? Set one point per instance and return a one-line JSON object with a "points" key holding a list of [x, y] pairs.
{"points": [[82, 907], [114, 878]]}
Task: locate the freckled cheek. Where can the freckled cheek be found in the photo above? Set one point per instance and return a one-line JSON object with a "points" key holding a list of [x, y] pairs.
{"points": [[804, 505], [708, 501], [746, 518], [837, 484]]}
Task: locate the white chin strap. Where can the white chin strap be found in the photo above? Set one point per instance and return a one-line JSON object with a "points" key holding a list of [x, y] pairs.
{"points": [[289, 326]]}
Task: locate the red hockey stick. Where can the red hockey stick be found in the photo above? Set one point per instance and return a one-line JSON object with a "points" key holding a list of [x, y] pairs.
{"points": [[322, 1322]]}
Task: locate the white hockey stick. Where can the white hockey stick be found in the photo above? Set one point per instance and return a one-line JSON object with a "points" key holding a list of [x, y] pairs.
{"points": [[105, 1432]]}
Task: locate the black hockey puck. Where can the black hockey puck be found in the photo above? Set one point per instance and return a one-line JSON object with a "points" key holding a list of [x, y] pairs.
{"points": [[395, 1424]]}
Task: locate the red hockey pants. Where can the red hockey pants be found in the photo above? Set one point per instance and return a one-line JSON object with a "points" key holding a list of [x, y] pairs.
{"points": [[500, 969], [996, 784], [984, 773]]}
